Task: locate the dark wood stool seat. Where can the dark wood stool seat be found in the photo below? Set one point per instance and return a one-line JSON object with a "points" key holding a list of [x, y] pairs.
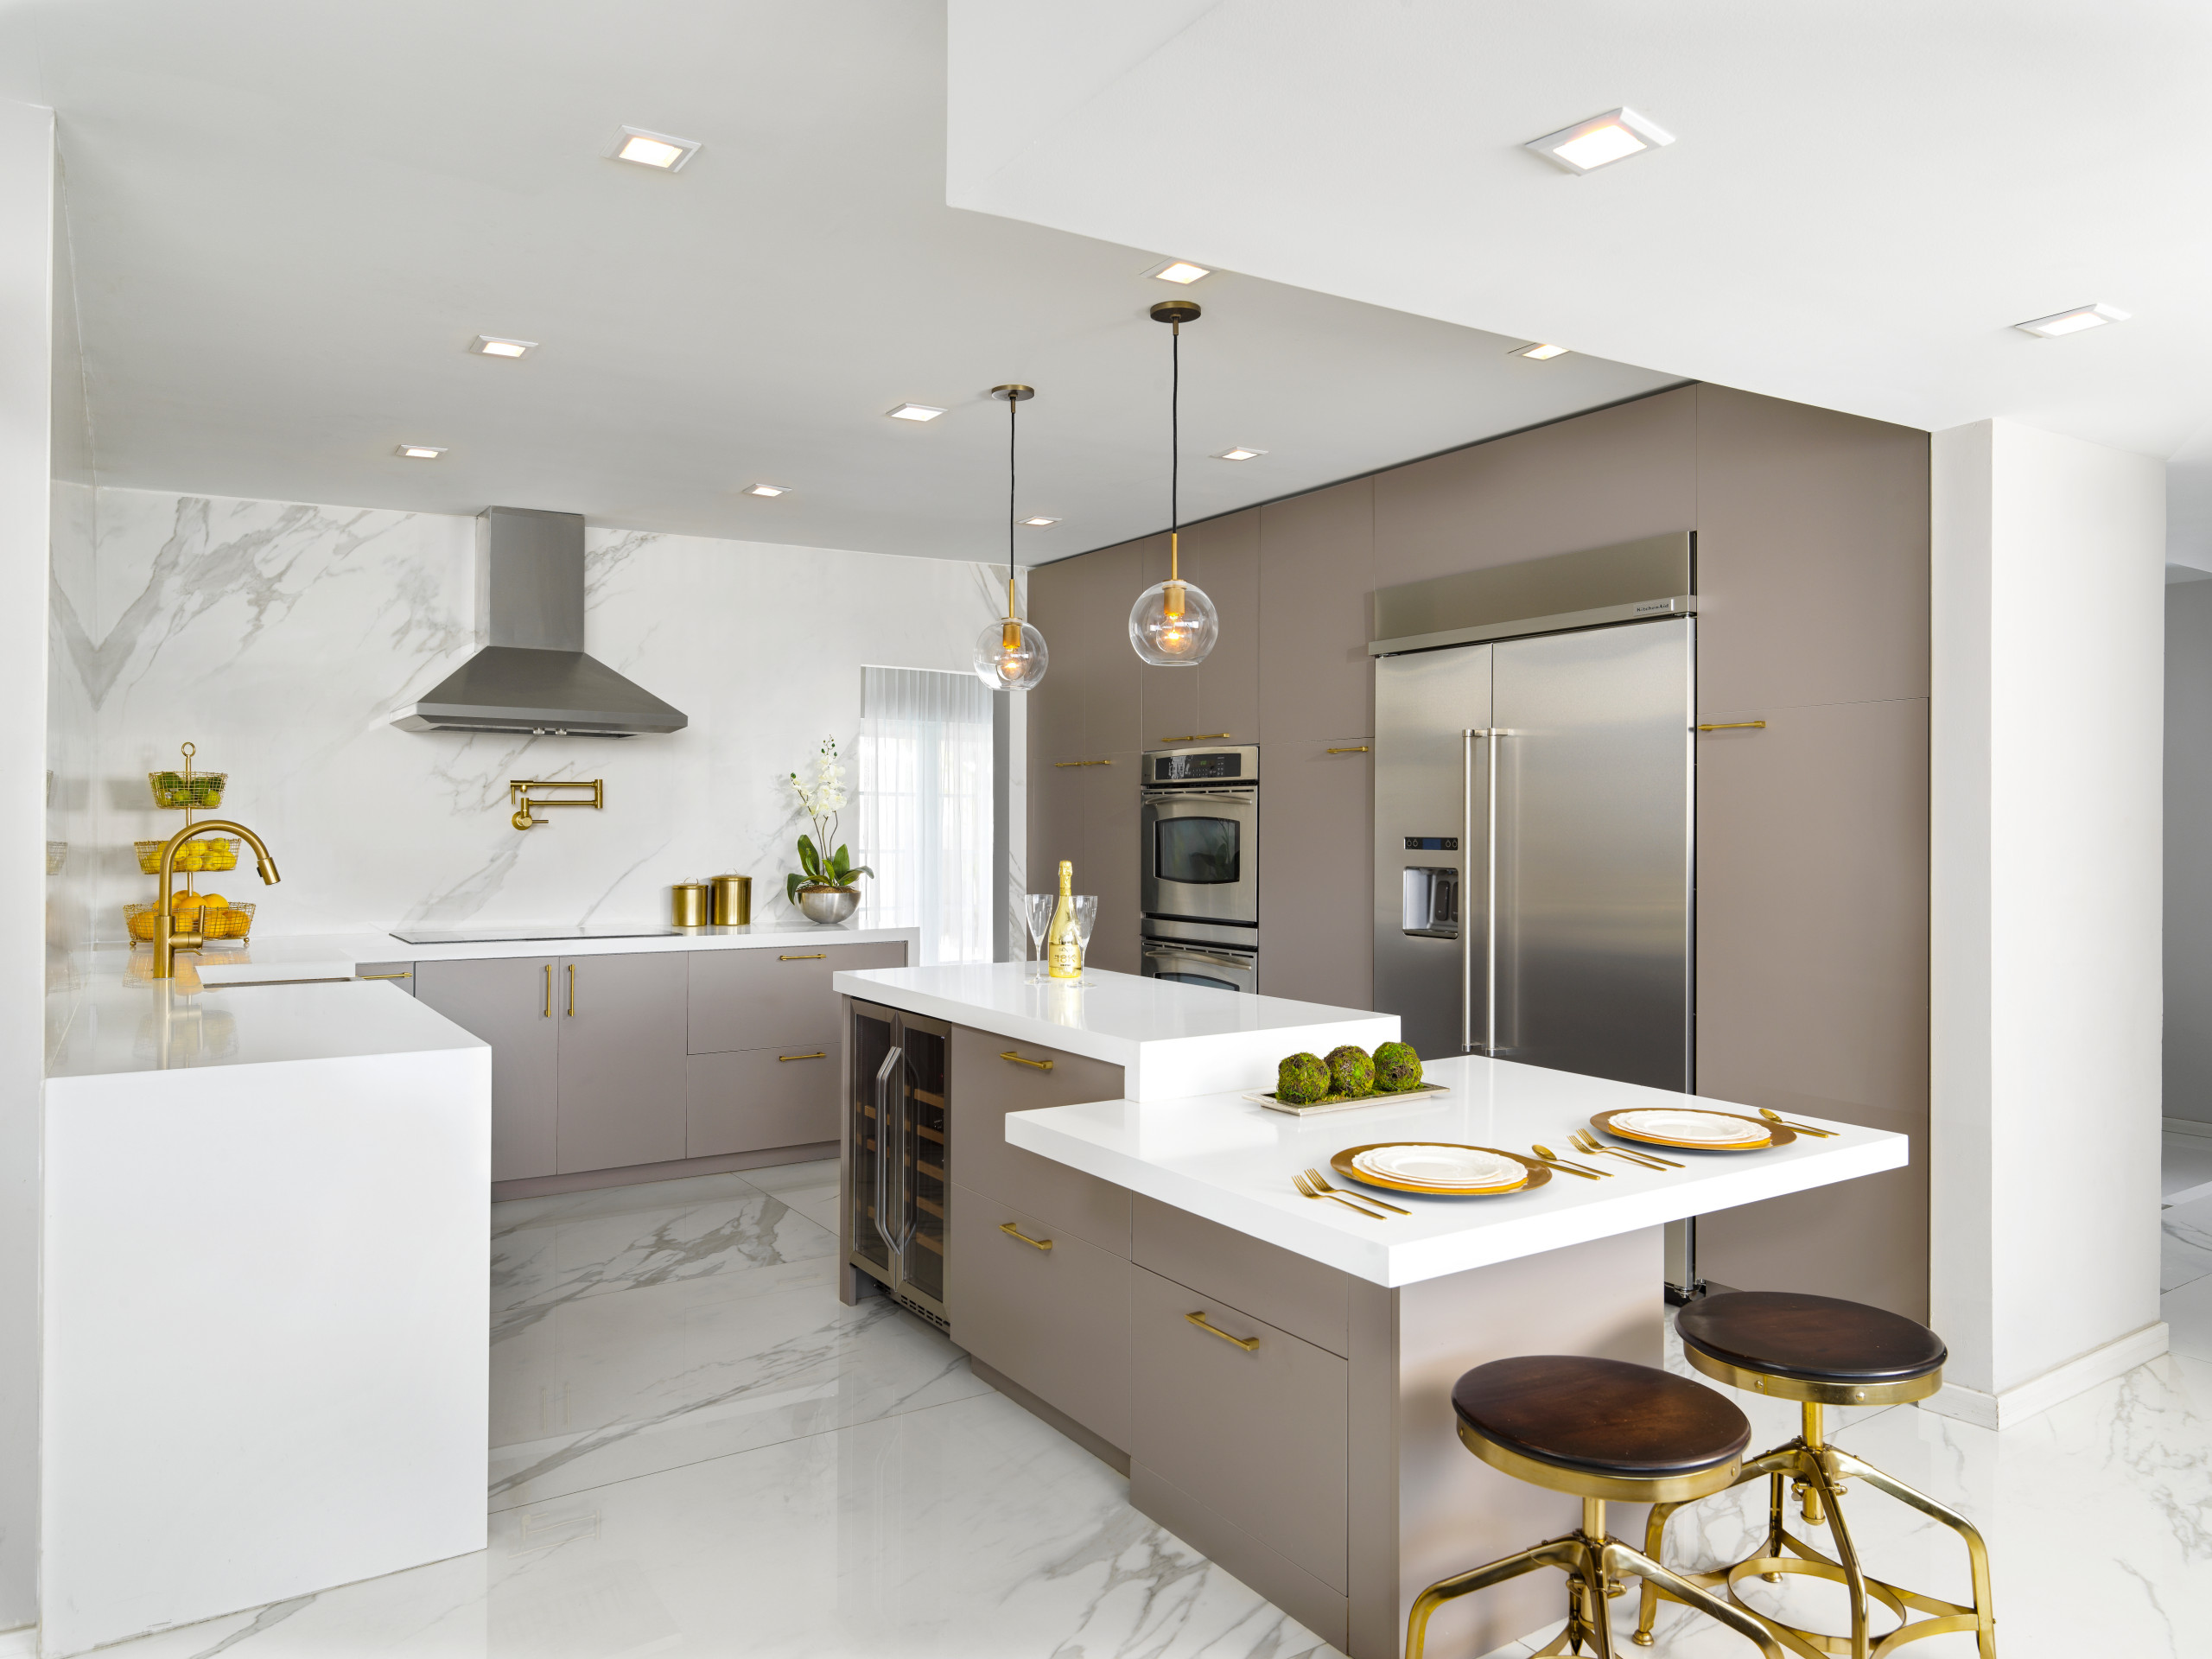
{"points": [[1601, 1417], [1601, 1429], [1818, 1339], [1821, 1351]]}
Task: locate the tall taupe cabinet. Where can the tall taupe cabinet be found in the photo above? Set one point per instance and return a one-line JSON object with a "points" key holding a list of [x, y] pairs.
{"points": [[1812, 853]]}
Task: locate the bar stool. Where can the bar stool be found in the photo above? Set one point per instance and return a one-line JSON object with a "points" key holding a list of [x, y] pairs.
{"points": [[1820, 1351], [1601, 1429]]}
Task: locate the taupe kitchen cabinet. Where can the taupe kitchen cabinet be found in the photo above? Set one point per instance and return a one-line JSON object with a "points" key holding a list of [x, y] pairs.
{"points": [[508, 1002], [622, 1025]]}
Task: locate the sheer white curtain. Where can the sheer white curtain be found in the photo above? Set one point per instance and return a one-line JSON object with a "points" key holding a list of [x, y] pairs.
{"points": [[924, 799]]}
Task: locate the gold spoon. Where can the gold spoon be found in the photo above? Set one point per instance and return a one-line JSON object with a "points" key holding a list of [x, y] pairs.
{"points": [[1558, 1162]]}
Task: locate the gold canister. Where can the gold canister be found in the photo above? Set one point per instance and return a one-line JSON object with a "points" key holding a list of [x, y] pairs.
{"points": [[688, 907], [732, 900]]}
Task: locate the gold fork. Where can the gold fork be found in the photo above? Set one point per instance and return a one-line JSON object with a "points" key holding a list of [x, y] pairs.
{"points": [[1299, 1181], [1590, 1143], [1314, 1176]]}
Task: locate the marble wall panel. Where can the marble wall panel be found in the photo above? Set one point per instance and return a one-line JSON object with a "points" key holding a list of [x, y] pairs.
{"points": [[279, 637]]}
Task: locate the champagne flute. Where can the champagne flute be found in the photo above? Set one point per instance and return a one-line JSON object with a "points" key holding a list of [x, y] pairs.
{"points": [[1085, 907], [1040, 918]]}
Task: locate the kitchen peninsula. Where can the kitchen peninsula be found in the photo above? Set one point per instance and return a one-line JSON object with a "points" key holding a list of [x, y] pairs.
{"points": [[1119, 1246]]}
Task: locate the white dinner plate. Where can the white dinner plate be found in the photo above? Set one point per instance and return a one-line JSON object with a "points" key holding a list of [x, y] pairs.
{"points": [[1690, 1128], [1419, 1165]]}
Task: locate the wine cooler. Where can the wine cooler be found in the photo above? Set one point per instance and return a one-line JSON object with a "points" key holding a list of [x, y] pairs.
{"points": [[901, 1181]]}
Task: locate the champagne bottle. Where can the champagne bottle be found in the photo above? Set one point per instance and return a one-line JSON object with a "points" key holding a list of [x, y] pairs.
{"points": [[1062, 942]]}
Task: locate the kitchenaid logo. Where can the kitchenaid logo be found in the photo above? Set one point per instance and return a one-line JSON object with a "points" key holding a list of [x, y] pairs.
{"points": [[1658, 605]]}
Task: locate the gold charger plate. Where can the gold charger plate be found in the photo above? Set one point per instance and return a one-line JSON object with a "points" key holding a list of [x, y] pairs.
{"points": [[1777, 1135], [1538, 1173]]}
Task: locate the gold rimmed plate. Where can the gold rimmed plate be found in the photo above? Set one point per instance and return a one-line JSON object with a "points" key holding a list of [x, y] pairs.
{"points": [[1759, 1135], [1535, 1173]]}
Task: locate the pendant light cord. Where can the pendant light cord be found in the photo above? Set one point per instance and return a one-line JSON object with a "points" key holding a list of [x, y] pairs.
{"points": [[1013, 411], [1174, 435]]}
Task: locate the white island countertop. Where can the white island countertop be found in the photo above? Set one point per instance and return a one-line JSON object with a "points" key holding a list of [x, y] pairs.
{"points": [[1171, 1040], [1228, 1160]]}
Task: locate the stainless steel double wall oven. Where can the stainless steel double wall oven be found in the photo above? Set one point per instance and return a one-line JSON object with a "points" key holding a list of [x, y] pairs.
{"points": [[1199, 887]]}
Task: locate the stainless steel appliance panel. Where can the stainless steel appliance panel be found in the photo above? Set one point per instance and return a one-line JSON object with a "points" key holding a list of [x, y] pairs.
{"points": [[1593, 879], [1424, 706]]}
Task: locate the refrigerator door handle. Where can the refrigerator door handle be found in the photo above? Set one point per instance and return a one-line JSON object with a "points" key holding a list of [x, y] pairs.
{"points": [[1489, 737]]}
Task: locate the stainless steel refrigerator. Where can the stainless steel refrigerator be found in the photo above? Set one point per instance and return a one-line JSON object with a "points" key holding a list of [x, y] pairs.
{"points": [[1533, 819]]}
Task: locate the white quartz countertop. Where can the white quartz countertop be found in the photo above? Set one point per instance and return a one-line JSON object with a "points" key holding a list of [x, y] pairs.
{"points": [[336, 956], [109, 1020], [1229, 1161], [1171, 1040]]}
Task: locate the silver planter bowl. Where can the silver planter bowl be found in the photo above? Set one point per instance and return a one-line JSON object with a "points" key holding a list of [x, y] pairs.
{"points": [[828, 904]]}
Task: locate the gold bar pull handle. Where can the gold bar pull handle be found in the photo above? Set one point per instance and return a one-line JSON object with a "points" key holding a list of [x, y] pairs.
{"points": [[548, 1014], [1198, 737], [818, 956], [1083, 763], [1735, 725], [1022, 1059], [1247, 1344], [1357, 749], [1012, 1231], [572, 991], [384, 975], [818, 1054]]}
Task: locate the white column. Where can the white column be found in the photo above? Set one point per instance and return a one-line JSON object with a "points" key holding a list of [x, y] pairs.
{"points": [[2047, 714], [26, 394]]}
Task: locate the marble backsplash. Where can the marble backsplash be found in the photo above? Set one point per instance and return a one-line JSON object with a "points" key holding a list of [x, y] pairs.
{"points": [[280, 637]]}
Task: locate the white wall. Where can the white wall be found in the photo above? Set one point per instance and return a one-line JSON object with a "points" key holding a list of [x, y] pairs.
{"points": [[2049, 591], [2188, 1090], [279, 637], [26, 389]]}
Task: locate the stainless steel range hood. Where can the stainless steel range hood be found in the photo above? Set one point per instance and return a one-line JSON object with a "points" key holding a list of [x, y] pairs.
{"points": [[532, 675]]}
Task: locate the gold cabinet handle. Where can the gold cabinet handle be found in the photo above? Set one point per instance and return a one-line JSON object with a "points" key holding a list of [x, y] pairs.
{"points": [[1196, 737], [1020, 1059], [1735, 725], [1247, 1344], [572, 991], [1012, 1231], [1083, 763], [384, 975], [548, 1014], [819, 956], [818, 1054], [1357, 749]]}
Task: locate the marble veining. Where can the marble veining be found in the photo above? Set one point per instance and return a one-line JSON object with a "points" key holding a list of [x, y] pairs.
{"points": [[280, 637]]}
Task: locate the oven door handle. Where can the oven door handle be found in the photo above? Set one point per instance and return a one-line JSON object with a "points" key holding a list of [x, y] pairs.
{"points": [[1237, 797], [1196, 954]]}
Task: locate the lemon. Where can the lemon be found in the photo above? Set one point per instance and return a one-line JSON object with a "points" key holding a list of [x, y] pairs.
{"points": [[214, 900]]}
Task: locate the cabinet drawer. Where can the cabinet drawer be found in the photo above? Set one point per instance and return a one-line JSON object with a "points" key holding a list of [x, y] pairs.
{"points": [[1260, 1435], [1301, 1295], [1057, 1321], [985, 1086], [754, 1099], [770, 999]]}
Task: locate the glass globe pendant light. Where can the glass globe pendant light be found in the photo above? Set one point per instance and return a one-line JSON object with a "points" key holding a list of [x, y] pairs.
{"points": [[1010, 655], [1174, 624]]}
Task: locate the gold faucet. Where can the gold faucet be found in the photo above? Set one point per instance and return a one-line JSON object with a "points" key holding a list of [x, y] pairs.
{"points": [[166, 940]]}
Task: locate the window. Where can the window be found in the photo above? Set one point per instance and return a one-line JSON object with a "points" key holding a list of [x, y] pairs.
{"points": [[925, 799]]}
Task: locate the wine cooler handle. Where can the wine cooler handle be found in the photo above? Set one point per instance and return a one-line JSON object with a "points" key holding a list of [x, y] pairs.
{"points": [[886, 1146]]}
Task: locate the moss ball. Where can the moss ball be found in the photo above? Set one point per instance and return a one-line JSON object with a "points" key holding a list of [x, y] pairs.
{"points": [[1351, 1072], [1301, 1079], [1397, 1069]]}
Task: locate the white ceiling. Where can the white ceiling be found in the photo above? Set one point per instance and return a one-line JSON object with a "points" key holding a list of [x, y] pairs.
{"points": [[289, 221], [1861, 200]]}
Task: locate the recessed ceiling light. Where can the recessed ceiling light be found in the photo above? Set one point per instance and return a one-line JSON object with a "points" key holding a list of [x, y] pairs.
{"points": [[915, 412], [418, 451], [1178, 270], [656, 150], [1603, 139], [1040, 523], [2073, 322], [492, 345], [1539, 352], [766, 489], [1240, 453]]}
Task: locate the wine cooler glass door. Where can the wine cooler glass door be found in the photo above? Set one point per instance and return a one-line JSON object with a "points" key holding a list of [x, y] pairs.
{"points": [[926, 1187], [874, 1037]]}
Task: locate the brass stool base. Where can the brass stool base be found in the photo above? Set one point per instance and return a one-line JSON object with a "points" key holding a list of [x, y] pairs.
{"points": [[1820, 1470]]}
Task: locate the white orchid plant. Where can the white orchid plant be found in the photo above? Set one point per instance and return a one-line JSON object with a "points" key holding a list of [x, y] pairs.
{"points": [[822, 797]]}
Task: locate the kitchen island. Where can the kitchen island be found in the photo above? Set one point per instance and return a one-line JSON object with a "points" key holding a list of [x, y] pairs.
{"points": [[1273, 1372], [266, 1254]]}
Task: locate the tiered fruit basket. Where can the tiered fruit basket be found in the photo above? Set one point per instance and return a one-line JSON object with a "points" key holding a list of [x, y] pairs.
{"points": [[211, 915]]}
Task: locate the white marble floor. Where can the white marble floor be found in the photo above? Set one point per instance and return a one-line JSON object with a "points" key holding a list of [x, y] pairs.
{"points": [[700, 1452]]}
